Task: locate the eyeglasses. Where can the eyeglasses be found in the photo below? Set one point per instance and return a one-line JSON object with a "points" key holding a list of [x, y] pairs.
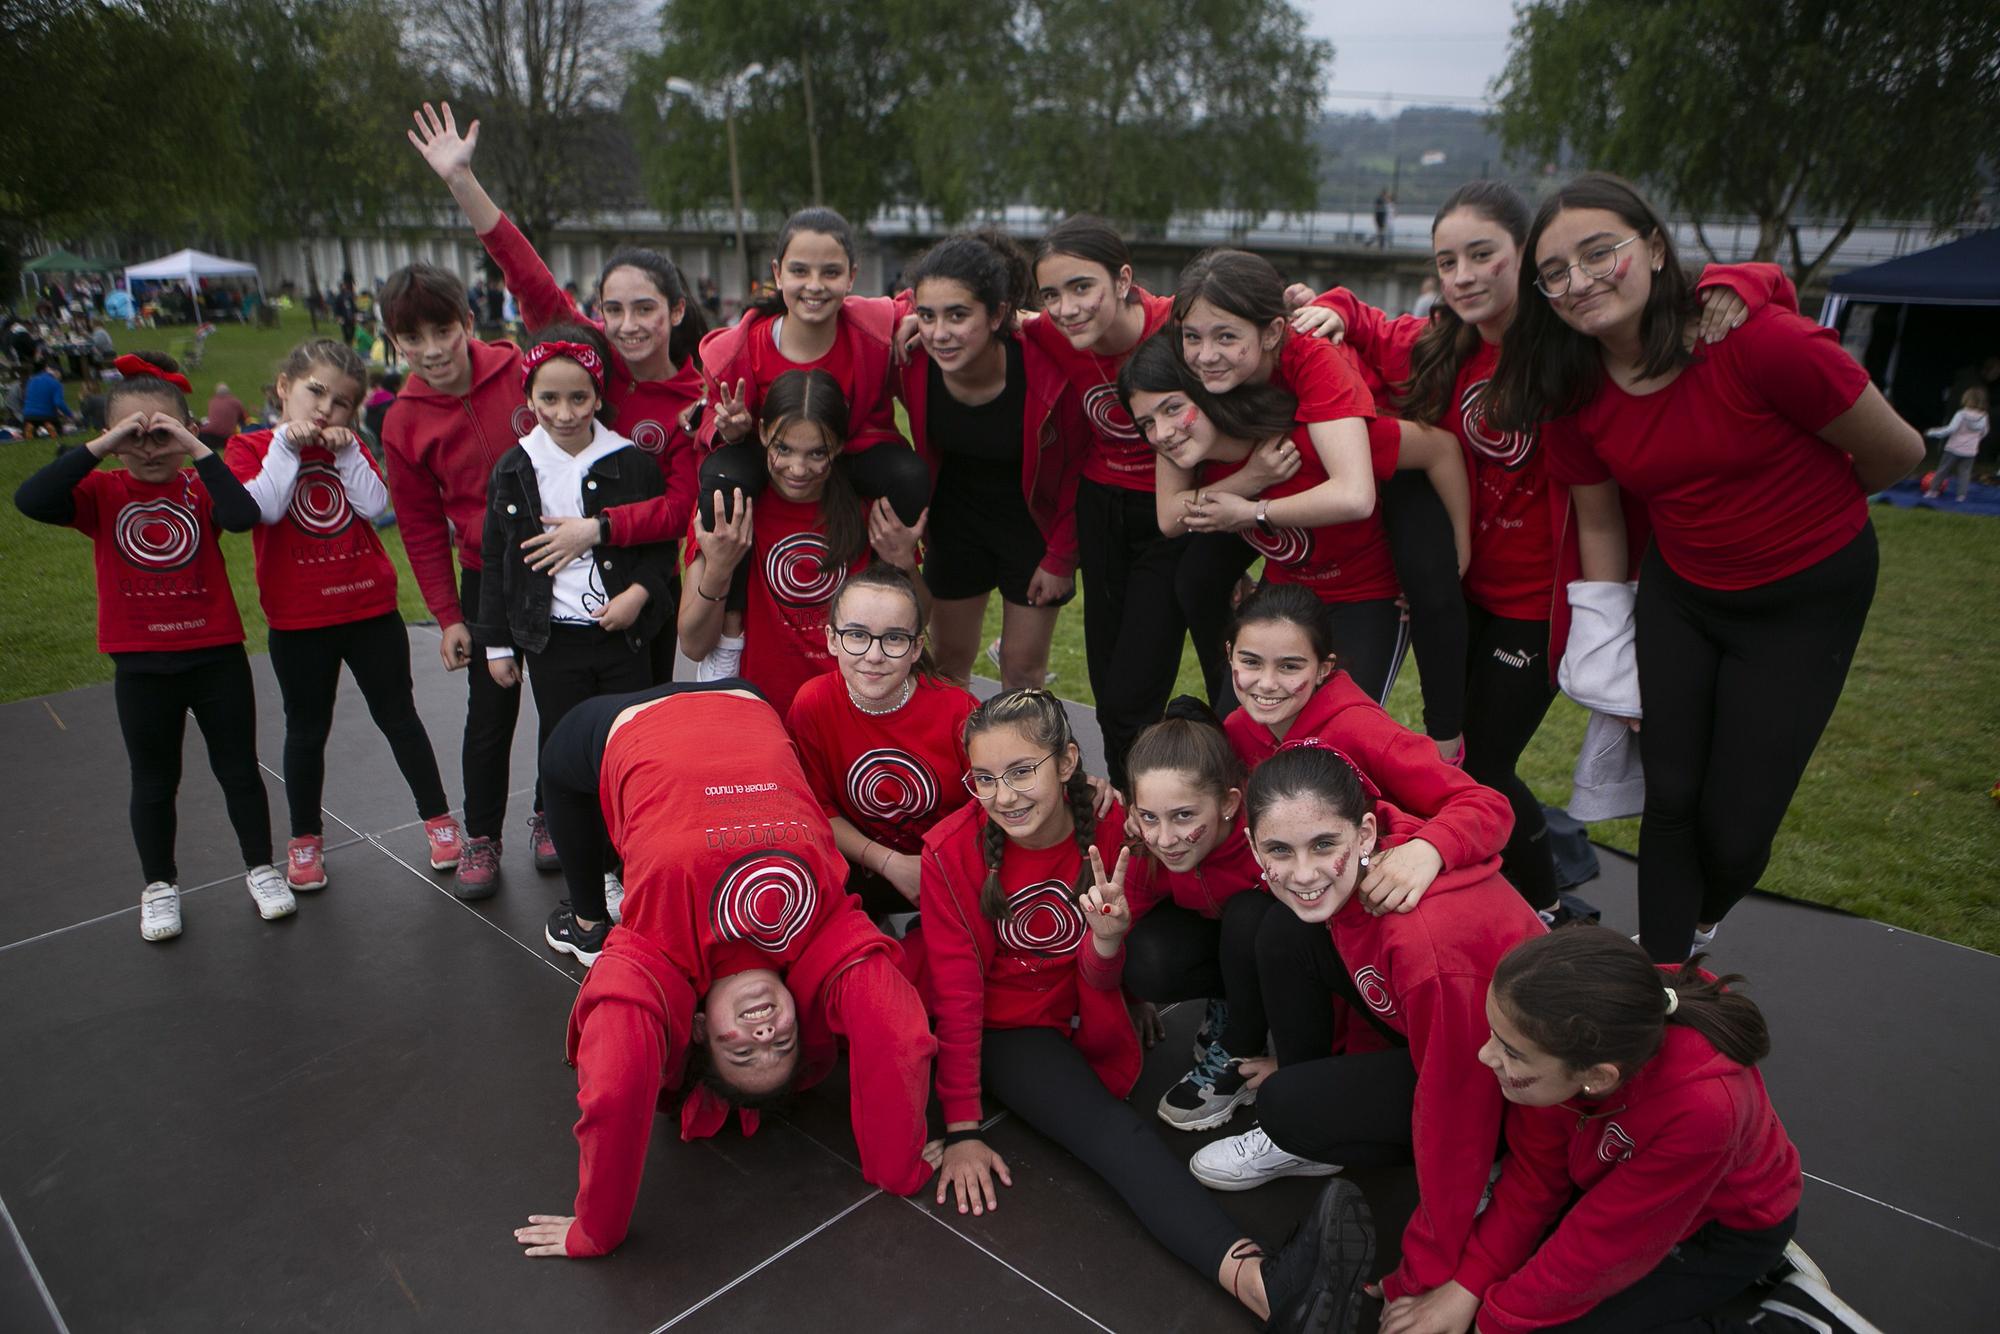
{"points": [[895, 643], [1596, 263], [1021, 778]]}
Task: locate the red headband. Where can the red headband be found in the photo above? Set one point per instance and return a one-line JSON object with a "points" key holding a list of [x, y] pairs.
{"points": [[129, 366], [583, 354]]}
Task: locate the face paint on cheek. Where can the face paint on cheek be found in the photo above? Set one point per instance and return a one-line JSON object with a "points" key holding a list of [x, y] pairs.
{"points": [[1340, 866], [1517, 1085], [1624, 267], [1195, 836], [1187, 422]]}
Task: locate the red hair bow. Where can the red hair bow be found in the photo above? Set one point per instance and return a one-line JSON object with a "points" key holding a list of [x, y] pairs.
{"points": [[583, 354], [130, 366]]}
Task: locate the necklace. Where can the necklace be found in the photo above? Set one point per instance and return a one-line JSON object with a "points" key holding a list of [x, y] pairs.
{"points": [[909, 689]]}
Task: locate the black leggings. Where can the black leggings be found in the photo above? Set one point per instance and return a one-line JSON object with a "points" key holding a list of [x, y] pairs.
{"points": [[1046, 1082], [1351, 1110], [1176, 954], [491, 711], [152, 713], [1737, 687], [572, 761], [1203, 584], [1708, 1270], [1369, 639], [581, 662], [307, 664], [1426, 557], [1508, 693], [1132, 622]]}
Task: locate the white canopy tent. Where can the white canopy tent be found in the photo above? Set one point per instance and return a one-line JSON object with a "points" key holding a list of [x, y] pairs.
{"points": [[190, 267]]}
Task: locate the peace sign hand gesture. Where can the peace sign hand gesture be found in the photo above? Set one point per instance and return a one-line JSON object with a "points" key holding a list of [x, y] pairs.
{"points": [[732, 414], [1103, 904], [444, 148]]}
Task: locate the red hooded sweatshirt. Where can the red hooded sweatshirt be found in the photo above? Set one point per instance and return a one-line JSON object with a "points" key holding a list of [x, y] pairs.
{"points": [[1055, 437], [1465, 822], [648, 411], [1691, 1139], [1523, 549], [441, 449], [1425, 973], [861, 354], [1228, 870], [729, 867], [1036, 969]]}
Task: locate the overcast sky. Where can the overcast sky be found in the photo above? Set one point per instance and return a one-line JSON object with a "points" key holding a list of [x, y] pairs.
{"points": [[1422, 51]]}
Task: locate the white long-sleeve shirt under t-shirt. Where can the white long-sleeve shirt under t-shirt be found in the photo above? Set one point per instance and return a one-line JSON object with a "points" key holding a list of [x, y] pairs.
{"points": [[272, 487], [560, 476]]}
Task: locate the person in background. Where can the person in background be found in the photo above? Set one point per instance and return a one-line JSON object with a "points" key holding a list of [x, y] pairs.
{"points": [[223, 418], [1961, 436], [1427, 296], [44, 411]]}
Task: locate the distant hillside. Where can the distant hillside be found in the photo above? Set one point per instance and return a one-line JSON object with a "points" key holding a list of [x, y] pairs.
{"points": [[1359, 154]]}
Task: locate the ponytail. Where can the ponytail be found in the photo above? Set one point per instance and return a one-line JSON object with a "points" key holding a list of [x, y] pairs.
{"points": [[1188, 739]]}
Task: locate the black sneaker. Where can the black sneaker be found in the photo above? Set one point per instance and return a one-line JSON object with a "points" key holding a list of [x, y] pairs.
{"points": [[566, 937], [1801, 1302], [1213, 1020], [1313, 1284], [1208, 1095]]}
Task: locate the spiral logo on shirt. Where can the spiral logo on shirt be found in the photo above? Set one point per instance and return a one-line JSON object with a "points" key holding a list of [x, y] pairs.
{"points": [[1374, 989], [1107, 415], [157, 534], [1284, 546], [1616, 1146], [649, 436], [1509, 449], [1041, 919], [887, 784], [319, 501], [766, 899], [800, 571], [524, 420]]}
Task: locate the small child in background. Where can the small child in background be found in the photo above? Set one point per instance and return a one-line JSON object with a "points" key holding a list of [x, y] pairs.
{"points": [[1961, 436]]}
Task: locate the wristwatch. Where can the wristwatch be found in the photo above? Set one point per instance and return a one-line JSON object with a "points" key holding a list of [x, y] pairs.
{"points": [[1264, 519]]}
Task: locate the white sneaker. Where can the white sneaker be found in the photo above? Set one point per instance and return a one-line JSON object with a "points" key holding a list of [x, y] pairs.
{"points": [[722, 661], [614, 897], [273, 896], [160, 911], [1244, 1161], [1803, 1303], [1703, 939]]}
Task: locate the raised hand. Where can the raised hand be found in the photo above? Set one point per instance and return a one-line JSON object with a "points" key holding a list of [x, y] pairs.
{"points": [[1103, 904], [724, 545], [732, 413], [126, 437], [437, 138]]}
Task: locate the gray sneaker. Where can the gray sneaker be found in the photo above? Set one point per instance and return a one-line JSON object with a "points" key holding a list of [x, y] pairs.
{"points": [[1207, 1095]]}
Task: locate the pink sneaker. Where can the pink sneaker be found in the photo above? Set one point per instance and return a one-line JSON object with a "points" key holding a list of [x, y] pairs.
{"points": [[478, 869], [305, 863], [447, 841]]}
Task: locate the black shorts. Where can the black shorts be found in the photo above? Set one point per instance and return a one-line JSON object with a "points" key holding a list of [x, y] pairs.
{"points": [[981, 536]]}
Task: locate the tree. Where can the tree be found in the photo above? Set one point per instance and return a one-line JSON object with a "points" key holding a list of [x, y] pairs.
{"points": [[1846, 109], [540, 75]]}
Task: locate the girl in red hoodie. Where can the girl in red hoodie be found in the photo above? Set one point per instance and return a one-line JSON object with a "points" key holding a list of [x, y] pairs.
{"points": [[1648, 1181], [1418, 978], [329, 594], [653, 330], [882, 739], [1196, 901], [792, 545], [1024, 936], [996, 419]]}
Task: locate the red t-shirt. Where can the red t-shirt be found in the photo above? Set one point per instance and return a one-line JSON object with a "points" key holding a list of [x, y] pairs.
{"points": [[891, 775], [767, 363], [1512, 572], [321, 564], [731, 872], [1118, 456], [1324, 378], [1032, 980], [161, 582], [1740, 489], [1347, 562]]}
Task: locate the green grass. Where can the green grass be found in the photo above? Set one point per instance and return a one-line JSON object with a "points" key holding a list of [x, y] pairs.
{"points": [[1893, 820]]}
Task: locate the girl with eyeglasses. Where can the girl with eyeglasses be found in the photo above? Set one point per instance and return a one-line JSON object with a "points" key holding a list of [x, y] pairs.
{"points": [[1753, 460], [1024, 922], [882, 737], [799, 538]]}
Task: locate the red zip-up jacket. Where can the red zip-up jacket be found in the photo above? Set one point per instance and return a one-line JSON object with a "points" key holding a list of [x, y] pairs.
{"points": [[628, 1039], [648, 411], [961, 945], [1465, 822], [441, 449], [1228, 870], [1425, 974], [1691, 1139], [1055, 437], [866, 324]]}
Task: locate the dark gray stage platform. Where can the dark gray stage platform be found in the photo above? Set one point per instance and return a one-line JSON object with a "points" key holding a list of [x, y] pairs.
{"points": [[334, 1122]]}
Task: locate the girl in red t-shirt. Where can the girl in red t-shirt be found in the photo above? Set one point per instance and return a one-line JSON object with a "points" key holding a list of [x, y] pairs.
{"points": [[796, 542], [1024, 937], [882, 739], [329, 594], [1749, 607], [167, 617], [1219, 466]]}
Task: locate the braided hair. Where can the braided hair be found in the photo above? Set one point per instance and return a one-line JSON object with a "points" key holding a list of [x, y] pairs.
{"points": [[1040, 717]]}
